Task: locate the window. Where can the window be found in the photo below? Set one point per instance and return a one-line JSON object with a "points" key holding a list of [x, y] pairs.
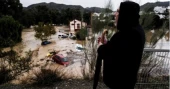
{"points": [[64, 59], [78, 26], [56, 57]]}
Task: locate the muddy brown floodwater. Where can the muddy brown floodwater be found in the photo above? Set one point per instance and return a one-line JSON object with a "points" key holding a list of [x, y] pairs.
{"points": [[64, 46]]}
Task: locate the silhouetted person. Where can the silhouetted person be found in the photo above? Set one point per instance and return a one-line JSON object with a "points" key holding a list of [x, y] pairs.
{"points": [[123, 53]]}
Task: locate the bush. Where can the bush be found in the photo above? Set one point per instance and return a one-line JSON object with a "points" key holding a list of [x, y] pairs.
{"points": [[10, 31], [5, 75], [47, 77], [81, 34], [12, 65], [90, 54]]}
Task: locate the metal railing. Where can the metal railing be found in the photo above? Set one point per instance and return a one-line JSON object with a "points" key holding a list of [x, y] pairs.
{"points": [[154, 69]]}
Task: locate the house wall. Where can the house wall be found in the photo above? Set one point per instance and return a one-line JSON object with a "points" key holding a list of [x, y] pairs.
{"points": [[76, 25], [71, 26]]}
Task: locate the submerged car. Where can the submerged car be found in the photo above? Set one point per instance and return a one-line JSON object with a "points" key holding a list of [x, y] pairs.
{"points": [[59, 58], [45, 42], [62, 36]]}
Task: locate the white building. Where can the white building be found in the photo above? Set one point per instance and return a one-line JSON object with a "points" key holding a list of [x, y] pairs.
{"points": [[75, 25], [159, 9], [96, 14]]}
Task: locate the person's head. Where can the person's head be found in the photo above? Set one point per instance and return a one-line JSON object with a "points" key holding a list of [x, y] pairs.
{"points": [[127, 16]]}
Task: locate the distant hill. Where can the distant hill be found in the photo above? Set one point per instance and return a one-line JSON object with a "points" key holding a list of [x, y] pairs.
{"points": [[59, 7], [148, 5]]}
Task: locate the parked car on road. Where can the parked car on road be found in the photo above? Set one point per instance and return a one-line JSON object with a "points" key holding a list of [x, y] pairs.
{"points": [[72, 37], [59, 58], [45, 42], [64, 36]]}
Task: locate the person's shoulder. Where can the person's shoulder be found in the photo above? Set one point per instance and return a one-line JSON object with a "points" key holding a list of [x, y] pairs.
{"points": [[116, 36]]}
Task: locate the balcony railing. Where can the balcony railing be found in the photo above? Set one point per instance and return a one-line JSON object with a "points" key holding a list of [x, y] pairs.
{"points": [[154, 69]]}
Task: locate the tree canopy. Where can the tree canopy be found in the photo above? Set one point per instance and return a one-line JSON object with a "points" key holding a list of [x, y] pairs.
{"points": [[43, 32], [11, 7], [151, 20], [10, 31]]}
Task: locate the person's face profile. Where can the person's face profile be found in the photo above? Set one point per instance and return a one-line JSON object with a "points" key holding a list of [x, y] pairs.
{"points": [[117, 15]]}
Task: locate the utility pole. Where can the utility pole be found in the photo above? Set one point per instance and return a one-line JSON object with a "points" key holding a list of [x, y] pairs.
{"points": [[81, 18]]}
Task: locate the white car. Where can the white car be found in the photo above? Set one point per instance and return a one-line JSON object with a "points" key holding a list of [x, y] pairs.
{"points": [[79, 47], [62, 35]]}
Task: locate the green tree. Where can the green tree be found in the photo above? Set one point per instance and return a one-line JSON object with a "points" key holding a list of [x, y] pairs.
{"points": [[87, 17], [76, 13], [27, 19], [10, 31], [82, 34], [149, 9], [43, 31], [70, 14], [153, 21], [55, 16], [97, 25], [42, 14], [11, 7]]}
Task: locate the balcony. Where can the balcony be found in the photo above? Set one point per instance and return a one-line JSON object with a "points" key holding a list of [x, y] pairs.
{"points": [[154, 69]]}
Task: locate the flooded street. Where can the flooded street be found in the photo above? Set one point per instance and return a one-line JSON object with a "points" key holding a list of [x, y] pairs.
{"points": [[162, 43], [64, 46]]}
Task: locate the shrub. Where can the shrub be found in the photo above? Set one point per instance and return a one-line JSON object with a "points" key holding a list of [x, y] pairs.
{"points": [[5, 75], [12, 65], [10, 31], [81, 34], [47, 77]]}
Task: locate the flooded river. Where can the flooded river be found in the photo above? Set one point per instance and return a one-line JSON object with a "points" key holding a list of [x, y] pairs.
{"points": [[64, 46]]}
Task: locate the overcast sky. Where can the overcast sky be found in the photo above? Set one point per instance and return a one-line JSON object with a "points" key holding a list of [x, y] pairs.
{"points": [[86, 3]]}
